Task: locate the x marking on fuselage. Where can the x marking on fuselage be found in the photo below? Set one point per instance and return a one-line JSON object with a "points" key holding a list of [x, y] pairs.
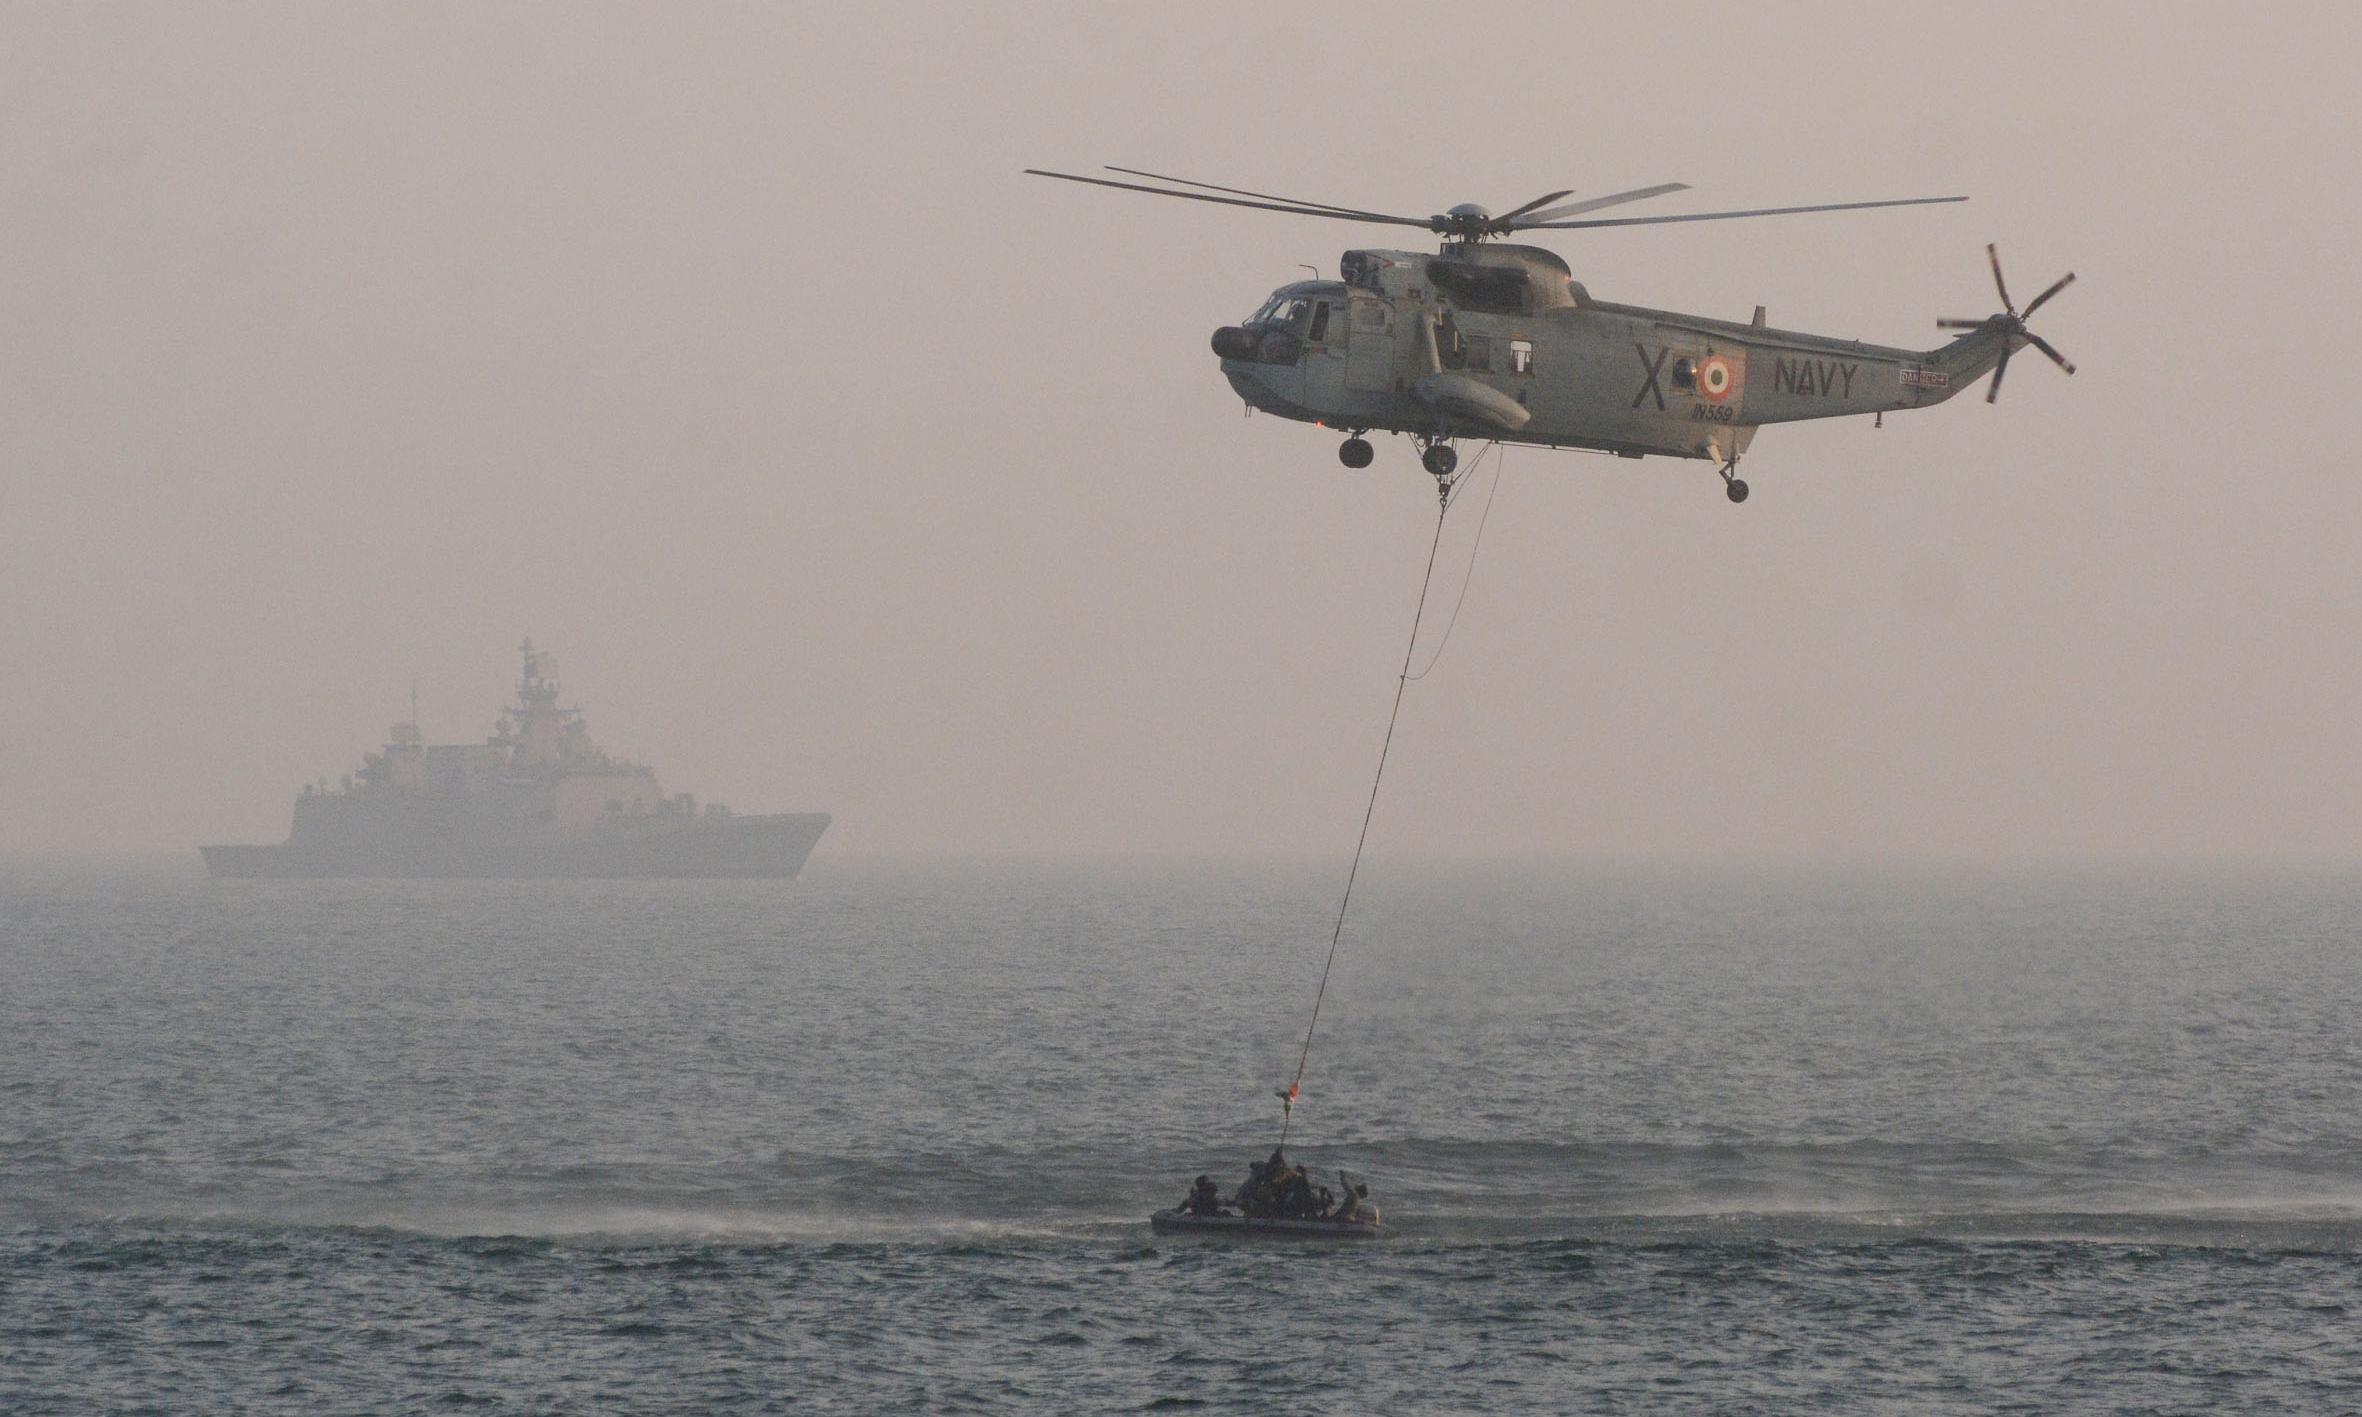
{"points": [[1654, 367]]}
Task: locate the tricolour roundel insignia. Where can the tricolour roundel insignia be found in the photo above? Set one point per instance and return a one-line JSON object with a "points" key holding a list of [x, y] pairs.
{"points": [[1715, 378]]}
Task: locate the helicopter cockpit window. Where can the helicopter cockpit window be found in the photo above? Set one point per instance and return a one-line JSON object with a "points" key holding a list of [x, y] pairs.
{"points": [[1285, 315], [1320, 322]]}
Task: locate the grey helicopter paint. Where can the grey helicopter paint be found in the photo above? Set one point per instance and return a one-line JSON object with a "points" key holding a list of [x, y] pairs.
{"points": [[1502, 343]]}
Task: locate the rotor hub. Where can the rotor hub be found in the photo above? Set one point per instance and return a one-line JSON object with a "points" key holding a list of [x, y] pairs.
{"points": [[1469, 221]]}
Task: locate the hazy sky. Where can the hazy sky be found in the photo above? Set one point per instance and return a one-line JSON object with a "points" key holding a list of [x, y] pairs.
{"points": [[726, 352]]}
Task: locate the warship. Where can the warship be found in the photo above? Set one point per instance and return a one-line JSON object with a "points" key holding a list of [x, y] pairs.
{"points": [[538, 798]]}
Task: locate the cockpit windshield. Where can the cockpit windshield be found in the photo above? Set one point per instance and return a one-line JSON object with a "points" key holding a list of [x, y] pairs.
{"points": [[1281, 311]]}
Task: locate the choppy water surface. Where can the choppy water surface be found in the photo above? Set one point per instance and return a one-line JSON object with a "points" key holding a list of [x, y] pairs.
{"points": [[1656, 1138]]}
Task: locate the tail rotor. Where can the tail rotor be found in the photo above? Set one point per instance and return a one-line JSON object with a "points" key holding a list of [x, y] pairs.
{"points": [[2013, 321]]}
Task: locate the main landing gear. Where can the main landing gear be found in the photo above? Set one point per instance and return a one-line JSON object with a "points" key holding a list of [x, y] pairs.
{"points": [[1435, 455], [1732, 485]]}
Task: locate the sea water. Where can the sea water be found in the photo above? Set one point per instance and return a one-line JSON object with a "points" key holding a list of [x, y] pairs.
{"points": [[1666, 1137]]}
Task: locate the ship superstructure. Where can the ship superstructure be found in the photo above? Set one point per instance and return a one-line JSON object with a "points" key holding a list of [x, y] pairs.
{"points": [[537, 798]]}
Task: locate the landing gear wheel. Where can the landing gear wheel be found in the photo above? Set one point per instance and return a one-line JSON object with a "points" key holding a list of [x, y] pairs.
{"points": [[1737, 490], [1355, 452], [1440, 460]]}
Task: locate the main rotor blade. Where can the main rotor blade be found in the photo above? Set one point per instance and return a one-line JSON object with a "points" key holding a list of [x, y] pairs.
{"points": [[1592, 204], [2061, 284], [1338, 213], [1521, 211], [1725, 216], [1993, 393], [1237, 192], [1993, 254], [2055, 357]]}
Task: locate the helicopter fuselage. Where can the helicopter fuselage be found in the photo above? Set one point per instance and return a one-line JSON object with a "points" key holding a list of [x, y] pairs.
{"points": [[1500, 343]]}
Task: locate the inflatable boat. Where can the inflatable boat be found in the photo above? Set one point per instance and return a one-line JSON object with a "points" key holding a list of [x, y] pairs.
{"points": [[1180, 1222]]}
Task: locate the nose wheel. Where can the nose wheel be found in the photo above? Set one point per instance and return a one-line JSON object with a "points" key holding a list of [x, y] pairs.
{"points": [[1733, 486], [1355, 452]]}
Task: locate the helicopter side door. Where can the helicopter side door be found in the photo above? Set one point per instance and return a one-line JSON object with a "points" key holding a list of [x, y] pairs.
{"points": [[1369, 355], [1325, 357]]}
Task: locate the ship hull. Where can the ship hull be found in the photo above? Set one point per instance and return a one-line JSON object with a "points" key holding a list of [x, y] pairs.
{"points": [[744, 848]]}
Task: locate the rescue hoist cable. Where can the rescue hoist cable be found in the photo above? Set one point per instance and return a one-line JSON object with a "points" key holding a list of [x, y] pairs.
{"points": [[1443, 506]]}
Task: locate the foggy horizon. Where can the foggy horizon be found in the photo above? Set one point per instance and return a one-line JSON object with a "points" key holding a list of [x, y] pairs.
{"points": [[728, 356], [1885, 945]]}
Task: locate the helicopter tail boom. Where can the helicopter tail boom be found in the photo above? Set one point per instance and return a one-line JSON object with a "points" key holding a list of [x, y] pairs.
{"points": [[1950, 368]]}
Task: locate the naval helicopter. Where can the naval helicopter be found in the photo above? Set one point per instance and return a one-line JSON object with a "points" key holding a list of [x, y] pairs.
{"points": [[1485, 340]]}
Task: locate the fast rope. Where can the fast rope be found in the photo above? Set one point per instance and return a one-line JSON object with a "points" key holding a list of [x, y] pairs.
{"points": [[1499, 458], [1444, 491]]}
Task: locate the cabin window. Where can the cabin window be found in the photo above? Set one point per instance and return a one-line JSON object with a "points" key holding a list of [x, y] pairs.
{"points": [[1685, 374], [1521, 356], [1484, 290], [1476, 352], [1320, 322], [1369, 314]]}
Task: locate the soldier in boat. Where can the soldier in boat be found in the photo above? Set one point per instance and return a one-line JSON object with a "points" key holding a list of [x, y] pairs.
{"points": [[1354, 1209], [1258, 1196], [1204, 1198]]}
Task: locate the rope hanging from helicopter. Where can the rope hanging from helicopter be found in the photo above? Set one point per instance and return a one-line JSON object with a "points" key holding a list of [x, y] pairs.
{"points": [[1499, 456], [1448, 492]]}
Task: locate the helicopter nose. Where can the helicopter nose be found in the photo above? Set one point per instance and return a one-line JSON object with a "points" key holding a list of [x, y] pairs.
{"points": [[1231, 342]]}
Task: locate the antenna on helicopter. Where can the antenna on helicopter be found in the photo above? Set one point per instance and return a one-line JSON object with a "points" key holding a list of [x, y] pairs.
{"points": [[1467, 223]]}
